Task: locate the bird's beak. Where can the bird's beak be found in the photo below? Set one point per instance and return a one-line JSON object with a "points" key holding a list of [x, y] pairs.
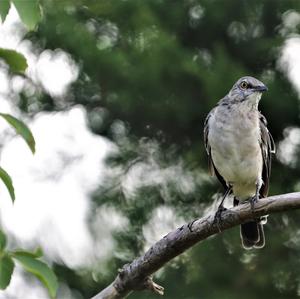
{"points": [[261, 88]]}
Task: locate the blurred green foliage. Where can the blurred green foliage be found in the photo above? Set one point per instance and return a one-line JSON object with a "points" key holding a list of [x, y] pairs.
{"points": [[150, 71], [16, 61], [29, 11], [17, 64]]}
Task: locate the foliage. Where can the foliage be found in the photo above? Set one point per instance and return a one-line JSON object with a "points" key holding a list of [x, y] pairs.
{"points": [[28, 10], [31, 264], [21, 129], [15, 60], [30, 13], [6, 179], [29, 260], [151, 70], [6, 269]]}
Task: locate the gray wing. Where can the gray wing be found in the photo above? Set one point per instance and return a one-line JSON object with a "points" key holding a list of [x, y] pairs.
{"points": [[211, 166], [267, 146], [207, 145]]}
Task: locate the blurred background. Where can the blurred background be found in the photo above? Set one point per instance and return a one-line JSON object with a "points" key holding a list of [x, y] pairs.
{"points": [[116, 94]]}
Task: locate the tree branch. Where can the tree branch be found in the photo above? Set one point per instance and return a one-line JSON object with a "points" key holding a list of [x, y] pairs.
{"points": [[137, 275]]}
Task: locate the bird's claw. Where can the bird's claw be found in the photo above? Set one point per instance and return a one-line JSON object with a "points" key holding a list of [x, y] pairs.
{"points": [[218, 217], [253, 200], [190, 225]]}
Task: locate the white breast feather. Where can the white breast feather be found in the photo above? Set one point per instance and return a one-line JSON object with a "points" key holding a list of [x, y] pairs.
{"points": [[234, 137]]}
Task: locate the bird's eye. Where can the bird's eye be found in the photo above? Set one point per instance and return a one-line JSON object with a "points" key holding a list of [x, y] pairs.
{"points": [[244, 85]]}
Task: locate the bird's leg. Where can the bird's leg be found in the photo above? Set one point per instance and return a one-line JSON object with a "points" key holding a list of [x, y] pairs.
{"points": [[217, 218], [255, 198]]}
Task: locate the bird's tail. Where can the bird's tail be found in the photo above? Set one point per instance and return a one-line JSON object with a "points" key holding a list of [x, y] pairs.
{"points": [[252, 233]]}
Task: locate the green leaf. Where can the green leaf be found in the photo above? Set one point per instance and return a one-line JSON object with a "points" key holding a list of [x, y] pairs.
{"points": [[16, 61], [40, 270], [6, 179], [2, 240], [4, 8], [21, 129], [29, 12], [6, 269], [35, 254]]}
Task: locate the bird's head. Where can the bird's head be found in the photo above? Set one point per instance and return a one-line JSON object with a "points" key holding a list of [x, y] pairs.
{"points": [[247, 89]]}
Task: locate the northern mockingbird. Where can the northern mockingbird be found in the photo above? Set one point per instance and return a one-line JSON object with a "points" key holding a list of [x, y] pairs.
{"points": [[239, 147]]}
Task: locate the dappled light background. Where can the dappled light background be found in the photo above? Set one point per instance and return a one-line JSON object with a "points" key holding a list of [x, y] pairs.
{"points": [[116, 93]]}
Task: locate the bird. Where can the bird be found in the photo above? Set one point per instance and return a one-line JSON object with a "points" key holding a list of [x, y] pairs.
{"points": [[239, 148]]}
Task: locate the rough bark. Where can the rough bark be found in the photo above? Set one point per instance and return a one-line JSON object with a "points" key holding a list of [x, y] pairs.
{"points": [[137, 275]]}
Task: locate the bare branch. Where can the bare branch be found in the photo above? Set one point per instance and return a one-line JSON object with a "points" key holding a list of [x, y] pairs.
{"points": [[137, 275]]}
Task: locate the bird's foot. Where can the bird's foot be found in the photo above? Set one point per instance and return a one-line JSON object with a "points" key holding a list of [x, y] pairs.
{"points": [[252, 201], [218, 216], [190, 225]]}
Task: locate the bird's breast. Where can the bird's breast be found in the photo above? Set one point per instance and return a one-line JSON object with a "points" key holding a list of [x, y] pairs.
{"points": [[234, 137]]}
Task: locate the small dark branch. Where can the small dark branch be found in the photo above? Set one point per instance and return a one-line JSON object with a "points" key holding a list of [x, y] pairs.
{"points": [[137, 275]]}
